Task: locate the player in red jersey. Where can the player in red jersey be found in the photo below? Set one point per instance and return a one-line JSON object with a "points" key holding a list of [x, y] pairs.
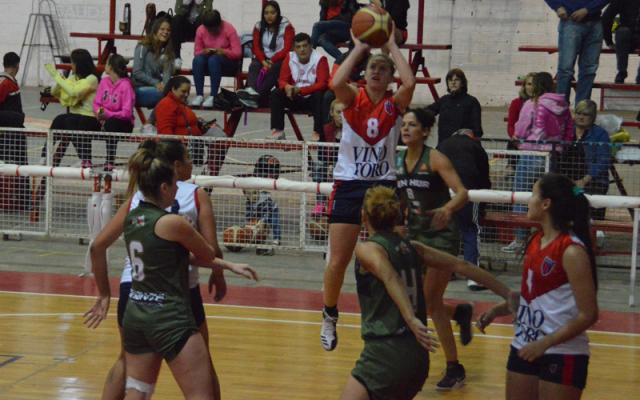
{"points": [[366, 158], [550, 349]]}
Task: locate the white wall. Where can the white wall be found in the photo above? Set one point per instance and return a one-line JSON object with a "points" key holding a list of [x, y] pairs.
{"points": [[485, 35]]}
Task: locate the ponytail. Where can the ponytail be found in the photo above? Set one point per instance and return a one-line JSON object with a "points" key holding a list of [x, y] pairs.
{"points": [[148, 171], [570, 211]]}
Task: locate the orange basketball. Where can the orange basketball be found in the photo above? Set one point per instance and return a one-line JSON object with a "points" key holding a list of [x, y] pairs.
{"points": [[232, 235], [372, 25]]}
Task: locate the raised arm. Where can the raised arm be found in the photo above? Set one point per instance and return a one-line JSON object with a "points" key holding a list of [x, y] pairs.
{"points": [[346, 93], [404, 94]]}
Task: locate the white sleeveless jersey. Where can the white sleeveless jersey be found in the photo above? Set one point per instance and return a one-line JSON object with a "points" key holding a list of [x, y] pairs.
{"points": [[186, 204], [546, 299], [369, 138]]}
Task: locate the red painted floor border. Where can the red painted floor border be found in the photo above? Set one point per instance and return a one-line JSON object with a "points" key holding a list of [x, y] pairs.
{"points": [[269, 297]]}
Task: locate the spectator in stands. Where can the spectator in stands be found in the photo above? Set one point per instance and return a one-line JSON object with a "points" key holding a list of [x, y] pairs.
{"points": [[327, 156], [184, 23], [217, 52], [526, 92], [153, 64], [579, 37], [544, 117], [597, 153], [272, 41], [334, 26], [471, 162], [11, 114], [113, 105], [173, 116], [398, 10], [627, 34], [304, 77], [458, 109], [76, 92], [13, 145]]}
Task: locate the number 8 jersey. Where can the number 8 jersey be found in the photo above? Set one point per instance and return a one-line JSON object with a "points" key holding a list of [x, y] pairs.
{"points": [[369, 138]]}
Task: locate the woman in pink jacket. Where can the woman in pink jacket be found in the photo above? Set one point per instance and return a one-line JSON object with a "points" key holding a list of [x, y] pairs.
{"points": [[217, 51], [113, 104], [544, 117]]}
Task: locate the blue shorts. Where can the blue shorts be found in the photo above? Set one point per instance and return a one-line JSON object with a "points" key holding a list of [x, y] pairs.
{"points": [[345, 201], [564, 369], [197, 307]]}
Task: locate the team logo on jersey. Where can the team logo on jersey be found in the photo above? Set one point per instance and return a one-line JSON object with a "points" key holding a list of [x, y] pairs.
{"points": [[388, 107], [138, 221], [547, 266]]}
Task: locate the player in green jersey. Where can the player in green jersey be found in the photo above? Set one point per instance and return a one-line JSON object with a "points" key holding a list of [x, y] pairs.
{"points": [[424, 178], [175, 152], [158, 319], [395, 361]]}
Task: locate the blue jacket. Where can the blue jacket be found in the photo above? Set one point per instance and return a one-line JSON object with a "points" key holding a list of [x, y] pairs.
{"points": [[597, 155], [594, 6]]}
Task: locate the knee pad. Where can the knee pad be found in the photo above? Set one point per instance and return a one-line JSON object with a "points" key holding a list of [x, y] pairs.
{"points": [[142, 387]]}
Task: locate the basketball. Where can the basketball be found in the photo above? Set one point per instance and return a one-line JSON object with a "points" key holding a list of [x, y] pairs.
{"points": [[372, 25], [318, 229], [234, 234]]}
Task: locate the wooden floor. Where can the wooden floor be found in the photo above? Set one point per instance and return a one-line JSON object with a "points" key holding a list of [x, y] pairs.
{"points": [[260, 353]]}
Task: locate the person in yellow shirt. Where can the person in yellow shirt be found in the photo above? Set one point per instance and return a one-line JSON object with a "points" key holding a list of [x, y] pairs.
{"points": [[76, 93]]}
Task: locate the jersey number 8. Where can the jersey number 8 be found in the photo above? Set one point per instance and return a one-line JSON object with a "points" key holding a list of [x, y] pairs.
{"points": [[137, 265], [372, 128]]}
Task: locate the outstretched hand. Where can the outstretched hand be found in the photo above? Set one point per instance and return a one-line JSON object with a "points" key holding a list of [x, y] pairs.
{"points": [[424, 335], [243, 270], [97, 313]]}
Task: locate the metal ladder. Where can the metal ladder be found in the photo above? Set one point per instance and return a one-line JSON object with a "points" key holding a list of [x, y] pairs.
{"points": [[56, 36]]}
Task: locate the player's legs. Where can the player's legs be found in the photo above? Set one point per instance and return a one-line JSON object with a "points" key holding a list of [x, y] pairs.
{"points": [[113, 388], [555, 391], [434, 286], [354, 390], [142, 374], [521, 386], [342, 242], [204, 331], [192, 370]]}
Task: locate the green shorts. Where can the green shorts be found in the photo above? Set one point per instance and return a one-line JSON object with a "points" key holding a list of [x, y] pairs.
{"points": [[392, 368], [164, 334], [449, 242]]}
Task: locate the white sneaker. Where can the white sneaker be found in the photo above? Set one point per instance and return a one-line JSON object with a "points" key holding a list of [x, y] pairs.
{"points": [[177, 63], [514, 247], [197, 101], [328, 334], [251, 91], [474, 286], [208, 102]]}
